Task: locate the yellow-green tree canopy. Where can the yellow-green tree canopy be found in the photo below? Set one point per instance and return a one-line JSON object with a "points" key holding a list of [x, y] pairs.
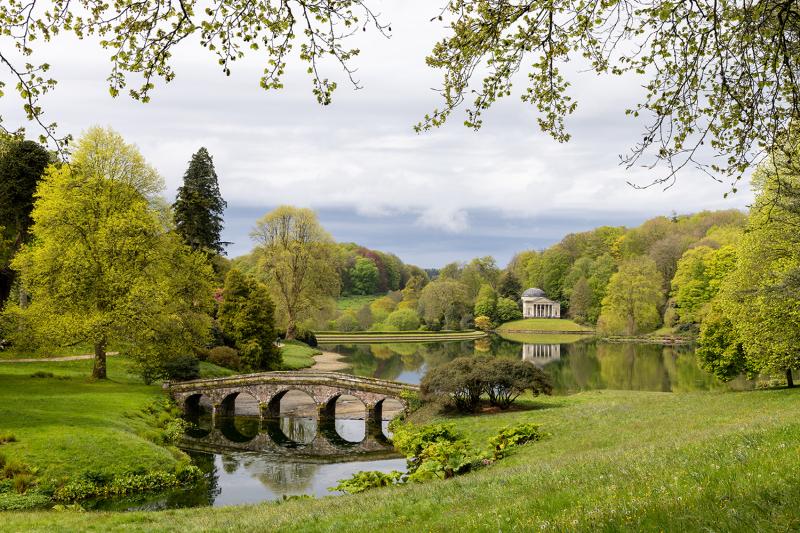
{"points": [[105, 265], [633, 299], [295, 257]]}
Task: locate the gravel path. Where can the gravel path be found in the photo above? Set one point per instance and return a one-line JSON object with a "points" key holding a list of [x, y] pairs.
{"points": [[53, 359]]}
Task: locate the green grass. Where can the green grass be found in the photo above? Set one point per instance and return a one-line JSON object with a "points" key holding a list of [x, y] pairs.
{"points": [[354, 303], [543, 324], [66, 424], [541, 338], [614, 461], [297, 355]]}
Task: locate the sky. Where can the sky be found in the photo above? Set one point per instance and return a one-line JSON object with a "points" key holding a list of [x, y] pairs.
{"points": [[450, 194]]}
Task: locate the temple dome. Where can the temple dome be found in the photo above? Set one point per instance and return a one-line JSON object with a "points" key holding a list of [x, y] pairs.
{"points": [[533, 293]]}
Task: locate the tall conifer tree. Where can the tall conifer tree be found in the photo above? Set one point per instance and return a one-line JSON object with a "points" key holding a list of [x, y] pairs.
{"points": [[199, 205]]}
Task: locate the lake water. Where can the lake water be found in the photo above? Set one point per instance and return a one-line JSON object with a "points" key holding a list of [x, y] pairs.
{"points": [[584, 364], [247, 460]]}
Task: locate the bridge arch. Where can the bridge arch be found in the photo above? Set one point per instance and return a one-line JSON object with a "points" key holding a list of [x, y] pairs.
{"points": [[239, 402], [195, 404]]}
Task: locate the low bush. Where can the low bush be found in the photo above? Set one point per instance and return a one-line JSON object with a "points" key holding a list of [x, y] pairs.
{"points": [[225, 357], [182, 368], [128, 483], [369, 479], [7, 437], [505, 379], [462, 381], [439, 451], [12, 501], [458, 382], [511, 436]]}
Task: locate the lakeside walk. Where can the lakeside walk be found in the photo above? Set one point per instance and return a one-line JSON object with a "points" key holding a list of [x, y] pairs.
{"points": [[54, 359]]}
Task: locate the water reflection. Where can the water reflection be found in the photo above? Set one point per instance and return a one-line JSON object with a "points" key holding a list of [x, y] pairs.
{"points": [[577, 366]]}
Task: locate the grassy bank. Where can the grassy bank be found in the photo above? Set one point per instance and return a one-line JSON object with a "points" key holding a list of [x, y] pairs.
{"points": [[66, 426], [537, 325], [297, 355], [615, 461], [360, 337], [354, 303]]}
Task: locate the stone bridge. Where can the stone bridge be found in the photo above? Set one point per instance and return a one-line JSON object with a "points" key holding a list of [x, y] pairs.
{"points": [[269, 387]]}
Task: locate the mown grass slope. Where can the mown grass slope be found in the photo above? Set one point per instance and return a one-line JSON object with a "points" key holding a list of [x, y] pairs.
{"points": [[543, 324], [614, 461]]}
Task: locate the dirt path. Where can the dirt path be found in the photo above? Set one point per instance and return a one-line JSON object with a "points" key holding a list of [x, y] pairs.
{"points": [[328, 362], [54, 359]]}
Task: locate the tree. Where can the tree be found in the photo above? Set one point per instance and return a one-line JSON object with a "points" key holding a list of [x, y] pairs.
{"points": [[760, 298], [403, 320], [199, 205], [364, 276], [733, 89], [440, 296], [459, 381], [719, 349], [486, 302], [295, 258], [700, 273], [247, 317], [507, 310], [633, 299], [509, 285], [22, 165], [580, 302], [104, 265]]}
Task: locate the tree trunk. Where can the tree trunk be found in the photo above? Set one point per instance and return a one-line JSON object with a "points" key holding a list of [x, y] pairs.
{"points": [[99, 370], [789, 378]]}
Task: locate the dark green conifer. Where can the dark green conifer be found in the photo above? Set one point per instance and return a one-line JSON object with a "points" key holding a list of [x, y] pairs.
{"points": [[199, 205]]}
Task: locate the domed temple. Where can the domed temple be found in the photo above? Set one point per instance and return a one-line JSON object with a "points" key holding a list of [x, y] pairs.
{"points": [[536, 305]]}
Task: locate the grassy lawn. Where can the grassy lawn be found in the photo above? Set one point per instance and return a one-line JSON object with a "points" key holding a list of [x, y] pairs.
{"points": [[614, 461], [354, 303], [297, 355], [67, 424], [543, 324], [542, 338]]}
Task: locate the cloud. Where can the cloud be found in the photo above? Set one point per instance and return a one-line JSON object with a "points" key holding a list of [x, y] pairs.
{"points": [[452, 221], [361, 159]]}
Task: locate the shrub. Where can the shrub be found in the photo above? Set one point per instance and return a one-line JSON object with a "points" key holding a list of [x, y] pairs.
{"points": [[507, 310], [458, 382], [435, 450], [306, 336], [7, 437], [483, 323], [182, 368], [403, 319], [346, 322], [511, 436], [370, 479], [505, 379], [224, 356]]}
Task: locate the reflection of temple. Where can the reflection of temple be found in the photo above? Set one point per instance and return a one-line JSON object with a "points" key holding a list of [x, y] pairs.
{"points": [[541, 354]]}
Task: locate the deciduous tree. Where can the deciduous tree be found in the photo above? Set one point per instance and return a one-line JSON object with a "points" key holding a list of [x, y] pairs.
{"points": [[295, 259], [105, 265], [633, 298]]}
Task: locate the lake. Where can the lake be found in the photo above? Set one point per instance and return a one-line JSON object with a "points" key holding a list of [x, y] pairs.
{"points": [[247, 460]]}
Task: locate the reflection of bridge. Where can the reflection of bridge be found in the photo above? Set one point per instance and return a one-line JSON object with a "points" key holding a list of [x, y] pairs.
{"points": [[326, 446], [541, 354], [269, 387]]}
